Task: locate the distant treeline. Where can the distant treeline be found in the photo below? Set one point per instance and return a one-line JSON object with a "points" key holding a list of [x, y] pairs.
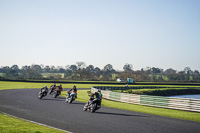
{"points": [[80, 71]]}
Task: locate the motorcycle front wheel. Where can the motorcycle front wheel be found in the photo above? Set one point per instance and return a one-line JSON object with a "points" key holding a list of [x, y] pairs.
{"points": [[93, 108], [85, 107], [55, 95], [40, 96]]}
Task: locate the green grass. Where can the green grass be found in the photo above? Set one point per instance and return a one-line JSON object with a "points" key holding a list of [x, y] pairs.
{"points": [[163, 91], [4, 85], [192, 116], [12, 125]]}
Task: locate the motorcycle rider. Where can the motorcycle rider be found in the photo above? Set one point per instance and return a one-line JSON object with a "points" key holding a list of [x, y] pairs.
{"points": [[98, 95], [74, 90], [53, 87], [59, 89], [45, 90]]}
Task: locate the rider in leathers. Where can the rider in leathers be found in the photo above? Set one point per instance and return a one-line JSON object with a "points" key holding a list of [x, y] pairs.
{"points": [[70, 91], [45, 89], [98, 96], [59, 89], [52, 88]]}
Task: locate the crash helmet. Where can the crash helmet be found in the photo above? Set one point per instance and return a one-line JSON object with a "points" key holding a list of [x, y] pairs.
{"points": [[99, 90]]}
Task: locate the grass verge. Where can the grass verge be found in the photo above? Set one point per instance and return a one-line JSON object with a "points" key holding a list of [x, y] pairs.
{"points": [[10, 124]]}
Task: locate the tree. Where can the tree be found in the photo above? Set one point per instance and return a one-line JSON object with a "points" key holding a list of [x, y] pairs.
{"points": [[109, 68], [73, 68], [107, 72], [25, 67], [187, 70], [68, 73], [80, 69], [156, 70], [15, 67], [196, 72], [80, 65], [128, 70], [97, 72], [12, 74], [36, 68], [47, 69], [30, 74], [128, 67], [61, 70], [90, 68], [170, 71], [52, 69]]}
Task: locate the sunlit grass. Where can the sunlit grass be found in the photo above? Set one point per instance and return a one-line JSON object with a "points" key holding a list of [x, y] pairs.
{"points": [[4, 85], [12, 125]]}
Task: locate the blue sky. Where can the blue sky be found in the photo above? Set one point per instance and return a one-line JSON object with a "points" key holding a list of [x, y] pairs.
{"points": [[144, 33]]}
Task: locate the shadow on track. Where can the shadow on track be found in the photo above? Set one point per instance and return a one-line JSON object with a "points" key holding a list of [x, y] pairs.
{"points": [[52, 99], [106, 113], [78, 103]]}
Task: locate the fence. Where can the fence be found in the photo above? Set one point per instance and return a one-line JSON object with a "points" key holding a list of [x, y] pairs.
{"points": [[155, 101]]}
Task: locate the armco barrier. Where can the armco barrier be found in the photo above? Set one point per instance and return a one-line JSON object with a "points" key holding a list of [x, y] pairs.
{"points": [[155, 101]]}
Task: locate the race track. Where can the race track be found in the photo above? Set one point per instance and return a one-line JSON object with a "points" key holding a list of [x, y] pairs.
{"points": [[24, 103]]}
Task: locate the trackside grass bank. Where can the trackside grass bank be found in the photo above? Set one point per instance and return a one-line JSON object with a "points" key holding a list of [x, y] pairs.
{"points": [[12, 125]]}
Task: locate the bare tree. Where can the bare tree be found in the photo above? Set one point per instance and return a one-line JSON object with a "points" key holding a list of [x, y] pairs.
{"points": [[80, 69]]}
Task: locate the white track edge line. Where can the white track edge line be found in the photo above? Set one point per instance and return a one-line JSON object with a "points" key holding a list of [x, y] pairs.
{"points": [[35, 122]]}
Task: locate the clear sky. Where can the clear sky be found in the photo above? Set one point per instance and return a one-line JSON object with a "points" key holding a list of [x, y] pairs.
{"points": [[144, 33]]}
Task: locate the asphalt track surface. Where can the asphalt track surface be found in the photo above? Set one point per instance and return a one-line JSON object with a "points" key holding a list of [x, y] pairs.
{"points": [[55, 112]]}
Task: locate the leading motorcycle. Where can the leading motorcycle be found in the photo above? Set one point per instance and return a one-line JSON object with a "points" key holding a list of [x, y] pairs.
{"points": [[92, 105]]}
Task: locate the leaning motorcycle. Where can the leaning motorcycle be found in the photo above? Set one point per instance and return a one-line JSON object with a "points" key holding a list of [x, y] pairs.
{"points": [[93, 106], [56, 93], [71, 97], [51, 89], [41, 94]]}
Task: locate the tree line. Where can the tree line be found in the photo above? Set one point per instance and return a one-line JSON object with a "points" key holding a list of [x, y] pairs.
{"points": [[80, 71]]}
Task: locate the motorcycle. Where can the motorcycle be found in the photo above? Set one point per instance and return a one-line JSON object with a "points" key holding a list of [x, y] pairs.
{"points": [[71, 97], [52, 89], [56, 93], [93, 106], [42, 94]]}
